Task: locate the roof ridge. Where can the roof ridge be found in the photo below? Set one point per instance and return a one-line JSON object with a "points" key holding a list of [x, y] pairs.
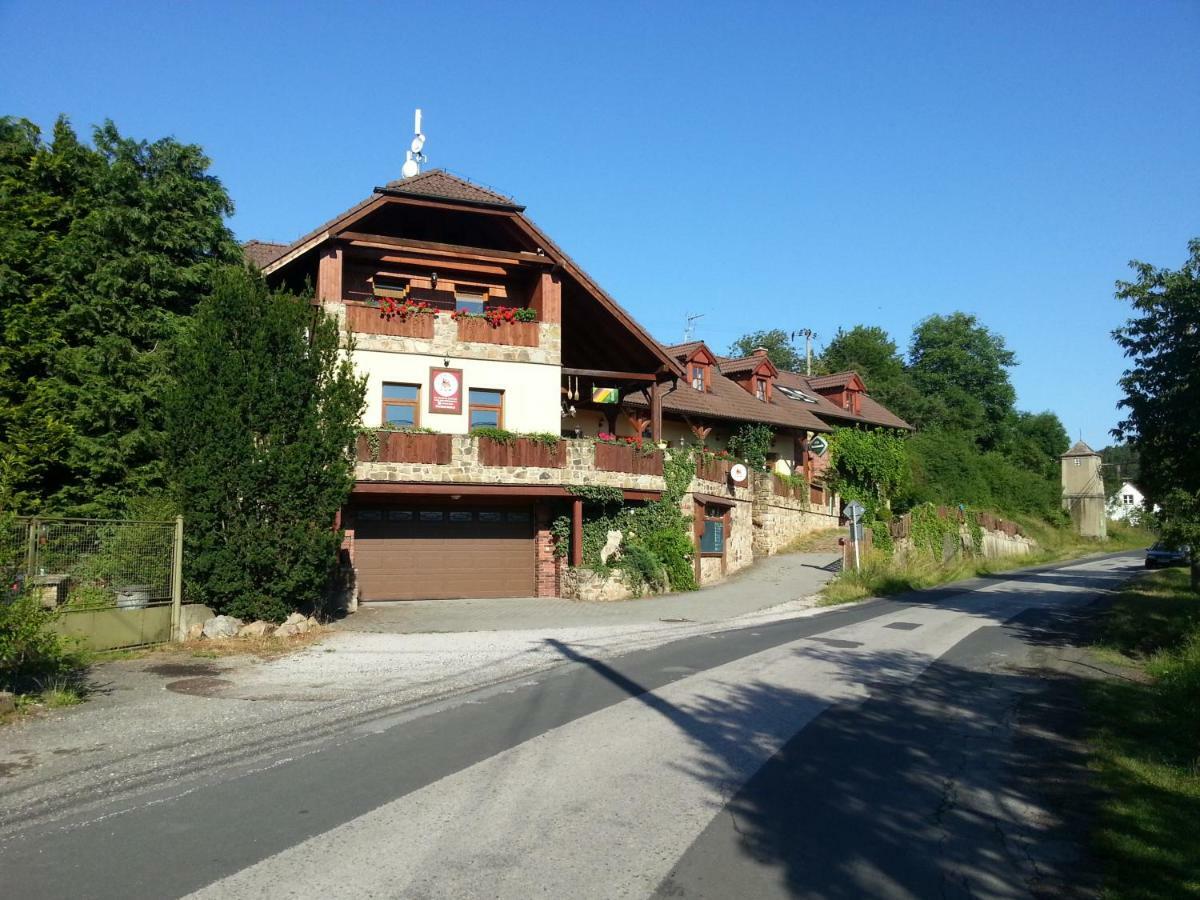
{"points": [[474, 191]]}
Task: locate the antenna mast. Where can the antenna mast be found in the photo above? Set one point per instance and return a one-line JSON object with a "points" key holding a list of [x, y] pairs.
{"points": [[689, 330], [808, 339], [414, 157]]}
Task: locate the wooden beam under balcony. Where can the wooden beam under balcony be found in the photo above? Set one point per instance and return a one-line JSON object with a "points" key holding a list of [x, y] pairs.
{"points": [[386, 242], [453, 489], [610, 375]]}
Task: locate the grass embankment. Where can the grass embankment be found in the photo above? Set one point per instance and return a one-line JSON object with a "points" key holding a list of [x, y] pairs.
{"points": [[881, 575], [1145, 737]]}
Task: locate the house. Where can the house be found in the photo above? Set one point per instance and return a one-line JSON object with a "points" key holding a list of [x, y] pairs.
{"points": [[1127, 504], [500, 378]]}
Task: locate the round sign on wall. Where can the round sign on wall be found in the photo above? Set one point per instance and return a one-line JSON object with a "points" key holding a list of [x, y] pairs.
{"points": [[446, 384], [738, 472]]}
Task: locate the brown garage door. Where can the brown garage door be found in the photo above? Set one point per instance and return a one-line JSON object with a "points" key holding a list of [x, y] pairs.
{"points": [[434, 554]]}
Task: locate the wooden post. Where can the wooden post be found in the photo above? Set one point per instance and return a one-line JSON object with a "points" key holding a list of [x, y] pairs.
{"points": [[329, 275], [577, 532], [656, 412], [177, 580]]}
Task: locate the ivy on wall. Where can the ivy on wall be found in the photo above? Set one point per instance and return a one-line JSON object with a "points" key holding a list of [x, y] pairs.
{"points": [[752, 443], [656, 547], [867, 466]]}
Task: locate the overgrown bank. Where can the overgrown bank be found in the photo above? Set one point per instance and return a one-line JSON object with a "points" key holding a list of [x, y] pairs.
{"points": [[1145, 740]]}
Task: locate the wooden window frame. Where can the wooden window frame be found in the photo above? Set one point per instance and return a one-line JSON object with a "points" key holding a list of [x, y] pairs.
{"points": [[472, 406], [414, 403]]}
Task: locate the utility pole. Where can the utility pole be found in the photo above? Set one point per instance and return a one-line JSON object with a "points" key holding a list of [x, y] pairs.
{"points": [[808, 339]]}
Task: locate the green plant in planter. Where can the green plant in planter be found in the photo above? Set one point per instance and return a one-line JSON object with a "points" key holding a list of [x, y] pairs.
{"points": [[499, 435]]}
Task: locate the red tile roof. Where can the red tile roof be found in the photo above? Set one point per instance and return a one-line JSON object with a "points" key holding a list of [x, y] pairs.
{"points": [[261, 253], [440, 183], [871, 411]]}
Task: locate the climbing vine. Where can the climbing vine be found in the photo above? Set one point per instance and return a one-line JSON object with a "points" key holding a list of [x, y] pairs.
{"points": [[867, 466], [752, 443], [929, 530], [656, 546], [560, 530]]}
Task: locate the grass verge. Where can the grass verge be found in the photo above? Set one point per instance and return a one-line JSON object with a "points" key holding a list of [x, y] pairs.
{"points": [[881, 575], [1145, 740]]}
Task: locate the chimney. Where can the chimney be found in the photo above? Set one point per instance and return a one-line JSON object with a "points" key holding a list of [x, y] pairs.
{"points": [[759, 351]]}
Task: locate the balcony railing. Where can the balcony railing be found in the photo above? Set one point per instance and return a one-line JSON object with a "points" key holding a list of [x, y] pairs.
{"points": [[510, 334], [523, 452], [618, 458], [404, 447], [365, 319]]}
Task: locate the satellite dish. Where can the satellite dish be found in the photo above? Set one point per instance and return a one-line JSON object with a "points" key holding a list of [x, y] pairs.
{"points": [[417, 143], [410, 168], [738, 473]]}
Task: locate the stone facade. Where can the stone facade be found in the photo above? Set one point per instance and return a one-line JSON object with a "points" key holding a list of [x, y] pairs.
{"points": [[464, 468]]}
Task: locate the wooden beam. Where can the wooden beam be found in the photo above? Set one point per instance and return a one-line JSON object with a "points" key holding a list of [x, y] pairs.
{"points": [[444, 265], [577, 531], [610, 375], [656, 412], [450, 489], [439, 249]]}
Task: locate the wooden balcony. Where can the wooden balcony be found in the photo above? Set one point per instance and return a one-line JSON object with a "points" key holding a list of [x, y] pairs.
{"points": [[793, 490], [509, 334], [405, 447], [709, 469], [623, 458], [362, 318], [521, 452]]}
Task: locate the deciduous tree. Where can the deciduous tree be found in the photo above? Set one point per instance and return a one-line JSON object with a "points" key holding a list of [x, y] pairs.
{"points": [[779, 347], [1162, 386]]}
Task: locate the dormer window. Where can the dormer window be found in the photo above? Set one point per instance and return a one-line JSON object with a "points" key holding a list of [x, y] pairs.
{"points": [[698, 377], [760, 389]]}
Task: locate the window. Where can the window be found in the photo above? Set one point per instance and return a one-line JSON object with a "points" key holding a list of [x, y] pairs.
{"points": [[712, 537], [383, 285], [1129, 499], [471, 301], [698, 377], [401, 405], [760, 389], [487, 409]]}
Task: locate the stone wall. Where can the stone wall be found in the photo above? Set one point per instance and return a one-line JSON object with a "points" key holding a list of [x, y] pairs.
{"points": [[778, 520], [997, 544], [465, 468], [593, 587]]}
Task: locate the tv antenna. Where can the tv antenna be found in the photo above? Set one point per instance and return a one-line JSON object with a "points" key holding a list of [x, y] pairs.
{"points": [[689, 330], [414, 157], [808, 335]]}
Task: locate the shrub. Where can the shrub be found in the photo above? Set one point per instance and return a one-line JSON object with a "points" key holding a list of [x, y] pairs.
{"points": [[31, 653]]}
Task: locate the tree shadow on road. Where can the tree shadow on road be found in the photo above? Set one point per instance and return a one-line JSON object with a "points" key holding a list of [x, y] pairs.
{"points": [[962, 778]]}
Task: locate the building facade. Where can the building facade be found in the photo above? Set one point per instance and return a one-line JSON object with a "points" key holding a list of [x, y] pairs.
{"points": [[1083, 490], [501, 379]]}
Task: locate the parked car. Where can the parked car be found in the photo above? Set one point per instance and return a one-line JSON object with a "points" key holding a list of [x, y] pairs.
{"points": [[1162, 555]]}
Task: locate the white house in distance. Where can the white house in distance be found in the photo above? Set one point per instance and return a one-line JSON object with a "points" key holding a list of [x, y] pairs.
{"points": [[1127, 503]]}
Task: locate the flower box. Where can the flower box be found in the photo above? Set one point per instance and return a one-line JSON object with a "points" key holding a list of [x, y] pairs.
{"points": [[521, 452], [785, 488], [364, 319], [618, 458], [405, 447], [709, 469], [512, 334]]}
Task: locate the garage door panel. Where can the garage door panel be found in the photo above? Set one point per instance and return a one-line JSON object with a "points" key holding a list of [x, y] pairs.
{"points": [[413, 559]]}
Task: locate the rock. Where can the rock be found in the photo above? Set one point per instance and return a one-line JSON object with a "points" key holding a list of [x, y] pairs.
{"points": [[194, 632], [222, 627], [313, 623], [256, 629], [8, 703], [295, 619], [611, 546], [287, 629]]}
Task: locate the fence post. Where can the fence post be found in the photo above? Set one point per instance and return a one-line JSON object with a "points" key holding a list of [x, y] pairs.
{"points": [[177, 579], [31, 550]]}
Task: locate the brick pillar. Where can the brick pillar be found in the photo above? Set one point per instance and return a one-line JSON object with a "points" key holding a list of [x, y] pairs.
{"points": [[545, 560]]}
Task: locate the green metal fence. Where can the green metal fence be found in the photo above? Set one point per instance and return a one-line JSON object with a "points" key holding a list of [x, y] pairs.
{"points": [[116, 582]]}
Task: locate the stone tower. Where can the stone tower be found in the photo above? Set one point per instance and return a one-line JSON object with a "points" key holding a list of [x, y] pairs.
{"points": [[1083, 490]]}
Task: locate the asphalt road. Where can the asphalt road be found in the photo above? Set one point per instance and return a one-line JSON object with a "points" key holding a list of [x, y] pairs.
{"points": [[915, 747]]}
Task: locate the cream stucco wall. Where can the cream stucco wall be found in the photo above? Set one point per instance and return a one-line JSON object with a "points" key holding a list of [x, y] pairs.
{"points": [[531, 390]]}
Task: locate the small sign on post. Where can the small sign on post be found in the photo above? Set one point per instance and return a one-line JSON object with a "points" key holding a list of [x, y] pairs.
{"points": [[854, 511]]}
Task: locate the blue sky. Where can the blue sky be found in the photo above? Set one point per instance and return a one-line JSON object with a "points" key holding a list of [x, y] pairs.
{"points": [[768, 165]]}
